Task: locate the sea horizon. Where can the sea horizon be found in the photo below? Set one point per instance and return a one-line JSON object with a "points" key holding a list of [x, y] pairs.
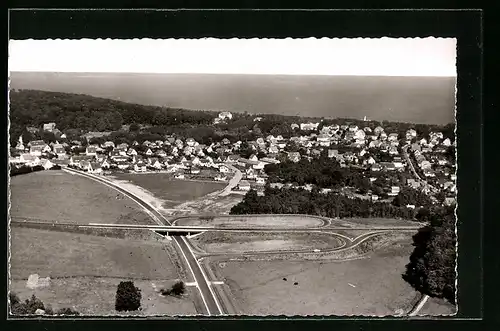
{"points": [[411, 99]]}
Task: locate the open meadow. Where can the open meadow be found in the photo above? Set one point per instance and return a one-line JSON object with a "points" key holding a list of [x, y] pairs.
{"points": [[171, 191], [57, 196], [372, 222], [237, 242], [274, 221], [85, 270], [371, 285]]}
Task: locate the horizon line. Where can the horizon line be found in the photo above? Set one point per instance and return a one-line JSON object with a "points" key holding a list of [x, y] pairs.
{"points": [[215, 73]]}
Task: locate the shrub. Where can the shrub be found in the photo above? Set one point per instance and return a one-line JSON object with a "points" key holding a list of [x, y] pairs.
{"points": [[49, 310], [128, 297], [33, 304], [432, 264], [177, 289], [29, 307]]}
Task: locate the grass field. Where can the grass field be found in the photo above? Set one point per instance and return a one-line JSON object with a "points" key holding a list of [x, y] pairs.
{"points": [[435, 307], [373, 222], [219, 242], [287, 221], [171, 191], [85, 270], [62, 197], [368, 286]]}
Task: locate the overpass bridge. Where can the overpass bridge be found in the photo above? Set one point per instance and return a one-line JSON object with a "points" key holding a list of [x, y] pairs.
{"points": [[191, 229]]}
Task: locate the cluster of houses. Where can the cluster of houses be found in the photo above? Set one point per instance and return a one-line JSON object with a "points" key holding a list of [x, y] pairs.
{"points": [[433, 164], [186, 156]]}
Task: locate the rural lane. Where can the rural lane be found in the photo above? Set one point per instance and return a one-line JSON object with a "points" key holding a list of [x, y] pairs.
{"points": [[407, 157], [233, 182], [207, 294]]}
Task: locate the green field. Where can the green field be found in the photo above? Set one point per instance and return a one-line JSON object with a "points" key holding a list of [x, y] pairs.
{"points": [[85, 271], [57, 196], [170, 190]]}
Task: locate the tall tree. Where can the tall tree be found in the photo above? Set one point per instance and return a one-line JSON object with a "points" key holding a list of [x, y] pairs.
{"points": [[432, 264]]}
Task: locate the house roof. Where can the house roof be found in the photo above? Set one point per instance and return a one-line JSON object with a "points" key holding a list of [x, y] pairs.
{"points": [[37, 143], [84, 163]]}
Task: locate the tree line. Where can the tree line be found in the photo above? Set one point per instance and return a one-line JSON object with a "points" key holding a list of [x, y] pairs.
{"points": [[331, 204], [323, 172], [75, 114], [431, 269]]}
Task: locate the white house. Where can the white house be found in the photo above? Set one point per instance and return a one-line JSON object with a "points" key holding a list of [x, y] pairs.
{"points": [[224, 169], [353, 128], [244, 185], [225, 115], [108, 144], [260, 180], [250, 172], [394, 191], [36, 150], [46, 164], [91, 151], [378, 130], [425, 165], [95, 168], [370, 160], [392, 137], [309, 126], [359, 135], [220, 178], [155, 163], [140, 167], [49, 127]]}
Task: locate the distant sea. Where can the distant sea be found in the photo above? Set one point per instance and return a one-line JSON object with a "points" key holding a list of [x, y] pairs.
{"points": [[429, 100]]}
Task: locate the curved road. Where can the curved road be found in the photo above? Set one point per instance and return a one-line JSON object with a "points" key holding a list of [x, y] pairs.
{"points": [[408, 160], [233, 182], [210, 301]]}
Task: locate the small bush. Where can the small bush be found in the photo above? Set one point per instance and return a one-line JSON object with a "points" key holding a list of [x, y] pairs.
{"points": [[178, 288], [29, 307], [67, 311], [33, 304], [128, 297], [49, 310]]}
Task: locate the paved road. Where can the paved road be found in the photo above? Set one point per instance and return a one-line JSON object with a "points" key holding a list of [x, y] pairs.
{"points": [[209, 299], [408, 160], [233, 182], [178, 228]]}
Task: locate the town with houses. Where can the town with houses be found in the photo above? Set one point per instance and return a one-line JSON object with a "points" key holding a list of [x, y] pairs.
{"points": [[185, 158]]}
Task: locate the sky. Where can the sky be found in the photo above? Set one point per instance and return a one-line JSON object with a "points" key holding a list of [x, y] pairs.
{"points": [[356, 56]]}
